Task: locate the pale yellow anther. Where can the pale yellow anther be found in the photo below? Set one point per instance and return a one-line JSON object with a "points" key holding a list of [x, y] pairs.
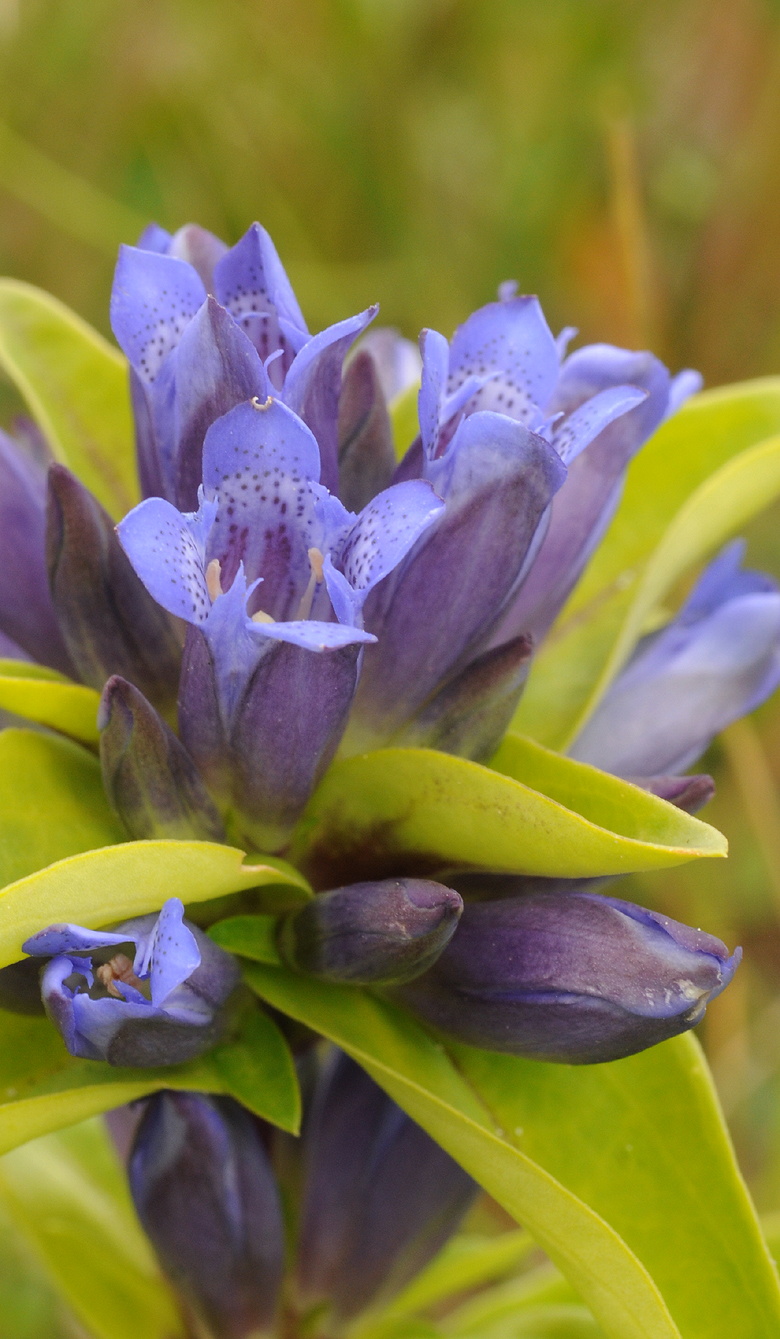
{"points": [[316, 560], [213, 579], [262, 617], [257, 403]]}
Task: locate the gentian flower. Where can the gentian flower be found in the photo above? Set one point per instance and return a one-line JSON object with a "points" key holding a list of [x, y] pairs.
{"points": [[380, 1198], [204, 1191], [717, 660], [195, 356], [265, 694], [501, 380], [149, 992], [570, 976]]}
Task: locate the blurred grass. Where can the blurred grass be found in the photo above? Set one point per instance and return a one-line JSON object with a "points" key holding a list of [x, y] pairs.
{"points": [[620, 159]]}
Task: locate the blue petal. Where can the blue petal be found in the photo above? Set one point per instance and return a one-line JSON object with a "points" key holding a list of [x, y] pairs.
{"points": [[58, 1002], [69, 939], [313, 385], [513, 340], [579, 429], [347, 603], [171, 954], [723, 579], [97, 1021], [251, 278], [155, 238], [153, 300], [682, 387], [161, 545], [435, 370], [313, 635], [234, 642], [386, 530]]}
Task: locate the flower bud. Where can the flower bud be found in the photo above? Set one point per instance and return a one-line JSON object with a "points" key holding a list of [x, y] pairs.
{"points": [[205, 1193], [366, 455], [372, 932], [150, 992], [149, 777], [572, 977], [110, 624], [380, 1197]]}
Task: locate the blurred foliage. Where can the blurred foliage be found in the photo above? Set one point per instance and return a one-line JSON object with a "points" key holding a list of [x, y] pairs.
{"points": [[621, 159]]}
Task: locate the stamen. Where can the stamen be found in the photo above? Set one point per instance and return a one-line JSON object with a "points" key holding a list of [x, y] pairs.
{"points": [[262, 617], [120, 968], [316, 560], [257, 403], [214, 579]]}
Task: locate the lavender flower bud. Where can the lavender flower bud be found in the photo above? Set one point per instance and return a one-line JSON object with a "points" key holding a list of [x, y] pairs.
{"points": [[206, 1195], [573, 977], [372, 932], [109, 622], [366, 455], [150, 992], [380, 1197], [149, 777]]}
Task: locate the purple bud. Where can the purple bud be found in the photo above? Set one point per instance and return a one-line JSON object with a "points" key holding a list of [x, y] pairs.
{"points": [[366, 455], [110, 624], [205, 1193], [469, 715], [149, 777], [149, 992], [380, 1197], [372, 932], [27, 616], [571, 977], [690, 793]]}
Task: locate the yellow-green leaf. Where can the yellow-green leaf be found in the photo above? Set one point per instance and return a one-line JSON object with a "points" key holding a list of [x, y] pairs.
{"points": [[75, 385], [416, 808], [43, 1089], [50, 699], [52, 802], [419, 1075], [257, 1069], [67, 1195], [101, 886]]}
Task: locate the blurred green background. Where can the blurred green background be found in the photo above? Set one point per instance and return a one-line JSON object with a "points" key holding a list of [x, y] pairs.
{"points": [[618, 158]]}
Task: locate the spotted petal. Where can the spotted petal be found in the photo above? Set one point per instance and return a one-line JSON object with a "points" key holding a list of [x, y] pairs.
{"points": [[579, 429], [171, 953], [513, 341], [153, 300], [386, 530], [163, 547], [69, 939], [251, 278]]}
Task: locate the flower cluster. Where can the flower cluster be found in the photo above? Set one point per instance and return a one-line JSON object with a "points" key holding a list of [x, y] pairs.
{"points": [[288, 589]]}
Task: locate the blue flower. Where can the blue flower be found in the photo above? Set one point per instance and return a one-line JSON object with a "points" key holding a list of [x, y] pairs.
{"points": [[716, 661], [270, 539], [149, 992], [195, 356]]}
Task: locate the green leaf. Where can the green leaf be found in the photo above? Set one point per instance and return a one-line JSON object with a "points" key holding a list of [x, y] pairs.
{"points": [[380, 812], [68, 1197], [418, 1073], [112, 884], [466, 1262], [52, 803], [258, 1070], [684, 495], [50, 699], [29, 1304], [42, 1088], [252, 936], [75, 386], [404, 419], [643, 1142], [493, 1311]]}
